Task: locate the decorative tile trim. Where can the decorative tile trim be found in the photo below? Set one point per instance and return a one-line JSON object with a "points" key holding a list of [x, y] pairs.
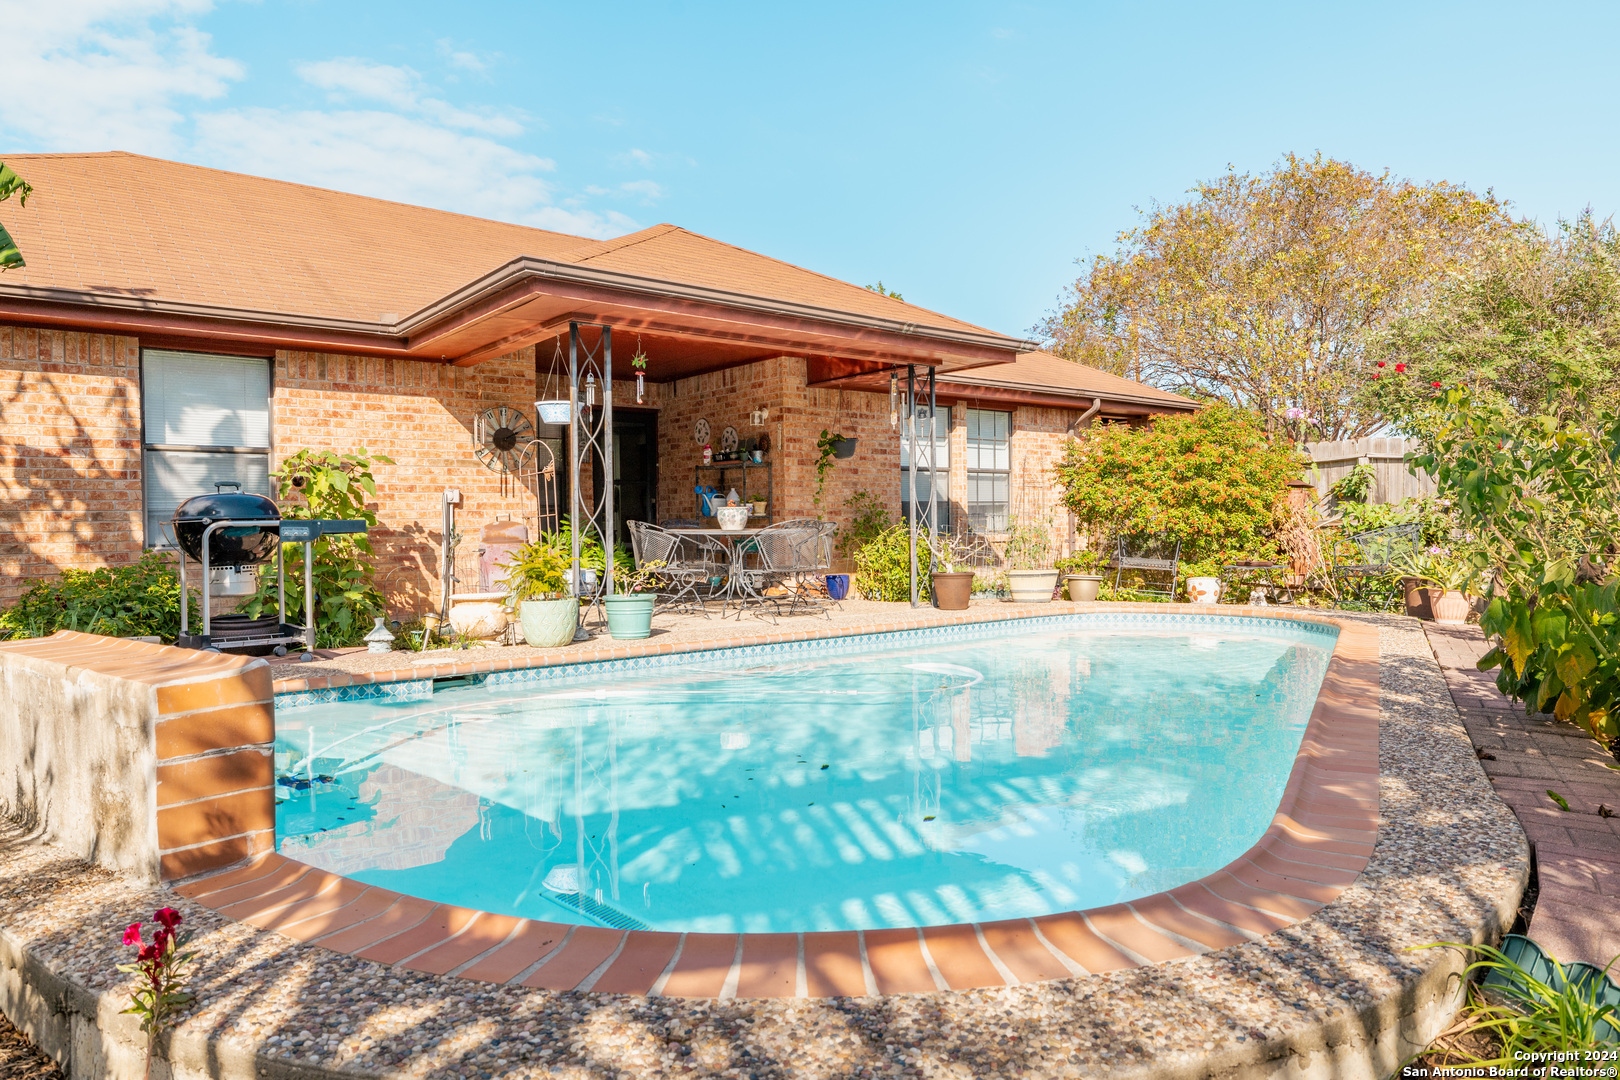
{"points": [[735, 656]]}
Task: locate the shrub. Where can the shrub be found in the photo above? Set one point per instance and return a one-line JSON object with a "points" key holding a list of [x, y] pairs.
{"points": [[871, 518], [137, 600], [883, 567], [1213, 478], [326, 484]]}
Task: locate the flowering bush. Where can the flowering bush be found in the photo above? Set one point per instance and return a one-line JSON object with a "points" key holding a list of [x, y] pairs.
{"points": [[1212, 478], [161, 965]]}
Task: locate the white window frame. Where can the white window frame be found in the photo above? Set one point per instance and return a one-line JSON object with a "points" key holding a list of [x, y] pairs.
{"points": [[988, 516]]}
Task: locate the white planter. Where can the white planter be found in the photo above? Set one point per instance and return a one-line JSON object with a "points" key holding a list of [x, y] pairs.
{"points": [[1203, 590], [549, 624], [552, 412], [732, 518], [1083, 588], [1032, 586], [480, 616]]}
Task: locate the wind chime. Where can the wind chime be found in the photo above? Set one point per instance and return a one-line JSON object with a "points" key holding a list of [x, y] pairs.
{"points": [[894, 398], [639, 362]]}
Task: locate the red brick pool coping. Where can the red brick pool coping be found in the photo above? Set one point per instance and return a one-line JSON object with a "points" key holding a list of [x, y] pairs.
{"points": [[1318, 843]]}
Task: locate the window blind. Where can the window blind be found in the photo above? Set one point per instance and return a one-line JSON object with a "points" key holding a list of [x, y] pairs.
{"points": [[193, 399]]}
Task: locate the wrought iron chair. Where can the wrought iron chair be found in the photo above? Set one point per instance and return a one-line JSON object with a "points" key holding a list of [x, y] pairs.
{"points": [[689, 563], [1363, 558], [785, 551], [1158, 553]]}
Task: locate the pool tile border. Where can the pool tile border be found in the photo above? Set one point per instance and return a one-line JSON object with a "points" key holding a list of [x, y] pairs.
{"points": [[1320, 840]]}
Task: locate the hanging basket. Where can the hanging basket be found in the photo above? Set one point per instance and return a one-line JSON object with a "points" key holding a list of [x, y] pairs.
{"points": [[844, 449], [552, 412]]}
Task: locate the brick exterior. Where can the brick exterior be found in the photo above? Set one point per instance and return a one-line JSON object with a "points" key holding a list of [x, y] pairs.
{"points": [[71, 470], [69, 453]]}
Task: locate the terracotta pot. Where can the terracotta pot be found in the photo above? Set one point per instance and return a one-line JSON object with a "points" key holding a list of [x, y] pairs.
{"points": [[1083, 588], [1032, 586], [1450, 607], [1416, 596], [951, 591]]}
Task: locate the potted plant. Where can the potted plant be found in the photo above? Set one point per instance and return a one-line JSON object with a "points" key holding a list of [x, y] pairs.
{"points": [[629, 613], [1031, 579], [1079, 576], [1449, 576], [952, 587], [829, 446], [537, 575]]}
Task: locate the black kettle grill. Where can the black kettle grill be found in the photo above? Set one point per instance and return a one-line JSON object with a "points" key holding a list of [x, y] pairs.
{"points": [[236, 529]]}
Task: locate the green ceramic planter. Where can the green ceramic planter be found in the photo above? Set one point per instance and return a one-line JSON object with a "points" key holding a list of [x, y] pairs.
{"points": [[629, 616], [549, 624]]}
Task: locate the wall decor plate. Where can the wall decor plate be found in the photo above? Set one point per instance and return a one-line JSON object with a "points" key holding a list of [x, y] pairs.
{"points": [[728, 439], [700, 431]]}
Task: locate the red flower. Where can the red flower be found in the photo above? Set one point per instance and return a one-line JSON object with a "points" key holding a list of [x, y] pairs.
{"points": [[169, 917], [1376, 375], [1435, 385], [1381, 364], [1400, 368], [148, 953], [132, 936]]}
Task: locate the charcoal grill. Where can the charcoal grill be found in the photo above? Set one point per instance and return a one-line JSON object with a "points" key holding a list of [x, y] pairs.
{"points": [[232, 528]]}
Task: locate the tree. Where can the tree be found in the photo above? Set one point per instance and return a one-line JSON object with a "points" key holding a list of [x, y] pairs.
{"points": [[1541, 310], [11, 184], [881, 291], [1213, 478], [1261, 290]]}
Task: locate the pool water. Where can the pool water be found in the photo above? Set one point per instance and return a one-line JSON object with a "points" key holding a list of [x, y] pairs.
{"points": [[1015, 775]]}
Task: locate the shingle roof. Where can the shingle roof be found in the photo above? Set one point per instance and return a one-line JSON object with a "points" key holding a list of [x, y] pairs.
{"points": [[1053, 374], [127, 225]]}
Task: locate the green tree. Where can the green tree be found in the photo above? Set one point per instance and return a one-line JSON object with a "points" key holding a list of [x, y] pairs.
{"points": [[881, 291], [326, 484], [1213, 478], [11, 184], [1541, 309], [1261, 290]]}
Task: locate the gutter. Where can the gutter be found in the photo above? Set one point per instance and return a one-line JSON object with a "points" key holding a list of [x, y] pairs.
{"points": [[396, 336]]}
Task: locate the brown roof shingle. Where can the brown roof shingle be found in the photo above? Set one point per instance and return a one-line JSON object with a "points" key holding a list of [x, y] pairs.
{"points": [[127, 225], [1053, 374]]}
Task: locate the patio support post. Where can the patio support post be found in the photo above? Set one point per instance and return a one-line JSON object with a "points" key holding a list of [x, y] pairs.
{"points": [[933, 463], [911, 502], [574, 400], [591, 369]]}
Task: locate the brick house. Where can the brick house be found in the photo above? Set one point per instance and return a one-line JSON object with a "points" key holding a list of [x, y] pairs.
{"points": [[175, 326]]}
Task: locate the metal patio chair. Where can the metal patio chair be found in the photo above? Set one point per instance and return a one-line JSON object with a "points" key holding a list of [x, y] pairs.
{"points": [[1370, 556], [1158, 553], [783, 553], [690, 563]]}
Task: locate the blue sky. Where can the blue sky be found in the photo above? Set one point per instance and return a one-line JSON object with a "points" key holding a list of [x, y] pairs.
{"points": [[964, 153]]}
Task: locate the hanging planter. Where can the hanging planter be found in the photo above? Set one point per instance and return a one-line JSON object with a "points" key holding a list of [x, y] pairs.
{"points": [[843, 449], [552, 412], [639, 362]]}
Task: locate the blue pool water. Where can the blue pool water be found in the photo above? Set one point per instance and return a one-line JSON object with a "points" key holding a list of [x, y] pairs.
{"points": [[1012, 775]]}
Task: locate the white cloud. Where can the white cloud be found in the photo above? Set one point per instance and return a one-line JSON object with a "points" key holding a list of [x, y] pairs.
{"points": [[463, 59], [647, 189], [637, 157], [350, 76], [403, 158], [106, 74], [131, 74]]}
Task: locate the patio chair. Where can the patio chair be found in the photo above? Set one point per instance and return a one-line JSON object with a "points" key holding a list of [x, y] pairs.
{"points": [[783, 552], [689, 563], [1157, 553], [1372, 555]]}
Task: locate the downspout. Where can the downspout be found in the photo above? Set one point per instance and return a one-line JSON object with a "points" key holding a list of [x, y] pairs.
{"points": [[1081, 420]]}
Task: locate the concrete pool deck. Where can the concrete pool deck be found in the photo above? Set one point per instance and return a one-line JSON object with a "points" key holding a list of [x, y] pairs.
{"points": [[1327, 984]]}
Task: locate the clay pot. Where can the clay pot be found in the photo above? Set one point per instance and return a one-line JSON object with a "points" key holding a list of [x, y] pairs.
{"points": [[1415, 594], [1450, 607], [951, 591], [1203, 590], [1032, 586], [1083, 588]]}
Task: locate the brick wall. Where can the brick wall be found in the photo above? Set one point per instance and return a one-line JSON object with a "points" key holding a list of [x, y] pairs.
{"points": [[422, 415], [69, 453]]}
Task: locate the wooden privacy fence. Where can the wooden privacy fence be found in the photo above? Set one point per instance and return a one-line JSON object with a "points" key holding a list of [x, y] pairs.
{"points": [[1391, 483]]}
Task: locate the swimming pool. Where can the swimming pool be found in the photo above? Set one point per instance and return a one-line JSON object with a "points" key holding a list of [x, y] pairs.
{"points": [[911, 780]]}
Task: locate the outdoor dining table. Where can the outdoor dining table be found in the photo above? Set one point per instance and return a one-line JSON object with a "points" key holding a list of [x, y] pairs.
{"points": [[736, 587]]}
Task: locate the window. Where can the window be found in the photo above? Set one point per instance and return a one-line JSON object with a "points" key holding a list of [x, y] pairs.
{"points": [[204, 420], [941, 451], [989, 468]]}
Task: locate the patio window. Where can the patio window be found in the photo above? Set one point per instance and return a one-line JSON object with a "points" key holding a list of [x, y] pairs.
{"points": [[941, 451], [989, 469], [205, 419]]}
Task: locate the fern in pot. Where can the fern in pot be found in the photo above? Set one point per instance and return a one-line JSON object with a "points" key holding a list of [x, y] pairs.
{"points": [[629, 613], [1030, 575], [537, 576]]}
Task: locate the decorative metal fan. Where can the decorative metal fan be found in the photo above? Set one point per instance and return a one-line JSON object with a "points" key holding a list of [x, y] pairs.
{"points": [[505, 439]]}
